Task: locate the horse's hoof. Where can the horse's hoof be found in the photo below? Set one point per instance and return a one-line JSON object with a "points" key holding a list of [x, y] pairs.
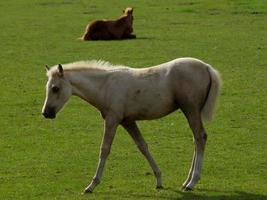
{"points": [[185, 189], [159, 187], [88, 190]]}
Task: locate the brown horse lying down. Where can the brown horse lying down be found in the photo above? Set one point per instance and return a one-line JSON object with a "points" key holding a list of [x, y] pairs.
{"points": [[111, 29]]}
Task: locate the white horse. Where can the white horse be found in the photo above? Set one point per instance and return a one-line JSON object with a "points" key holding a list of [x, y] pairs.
{"points": [[124, 95]]}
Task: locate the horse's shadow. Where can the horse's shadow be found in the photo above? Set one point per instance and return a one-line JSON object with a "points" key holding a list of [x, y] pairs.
{"points": [[191, 195], [126, 39], [137, 38], [218, 195], [145, 38]]}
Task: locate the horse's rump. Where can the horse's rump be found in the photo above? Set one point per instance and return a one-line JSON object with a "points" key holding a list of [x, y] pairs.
{"points": [[97, 30]]}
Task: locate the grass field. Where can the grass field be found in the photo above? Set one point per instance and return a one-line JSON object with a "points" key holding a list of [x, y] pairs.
{"points": [[45, 159]]}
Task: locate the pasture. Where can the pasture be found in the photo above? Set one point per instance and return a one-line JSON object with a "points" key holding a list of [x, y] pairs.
{"points": [[56, 159]]}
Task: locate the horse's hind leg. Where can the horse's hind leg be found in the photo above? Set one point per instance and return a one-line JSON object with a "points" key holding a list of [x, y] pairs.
{"points": [[133, 130], [190, 171], [200, 137]]}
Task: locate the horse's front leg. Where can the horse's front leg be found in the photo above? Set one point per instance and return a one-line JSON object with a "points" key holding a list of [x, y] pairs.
{"points": [[111, 125]]}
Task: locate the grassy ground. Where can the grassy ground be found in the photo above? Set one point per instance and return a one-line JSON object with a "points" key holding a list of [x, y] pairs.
{"points": [[44, 159]]}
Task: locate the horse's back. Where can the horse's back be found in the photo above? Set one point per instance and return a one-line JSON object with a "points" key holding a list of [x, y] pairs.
{"points": [[154, 92]]}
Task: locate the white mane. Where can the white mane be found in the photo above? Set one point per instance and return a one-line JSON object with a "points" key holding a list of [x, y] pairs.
{"points": [[92, 65], [88, 64]]}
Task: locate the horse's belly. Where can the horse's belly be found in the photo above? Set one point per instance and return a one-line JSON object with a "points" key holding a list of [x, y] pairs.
{"points": [[150, 110]]}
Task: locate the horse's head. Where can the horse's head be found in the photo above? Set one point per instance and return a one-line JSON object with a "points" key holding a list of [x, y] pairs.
{"points": [[58, 91], [128, 16], [128, 11]]}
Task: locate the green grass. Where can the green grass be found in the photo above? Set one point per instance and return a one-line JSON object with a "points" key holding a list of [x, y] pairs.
{"points": [[44, 159]]}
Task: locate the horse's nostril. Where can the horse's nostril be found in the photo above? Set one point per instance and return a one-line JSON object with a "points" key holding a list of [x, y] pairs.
{"points": [[45, 114], [51, 115], [49, 112]]}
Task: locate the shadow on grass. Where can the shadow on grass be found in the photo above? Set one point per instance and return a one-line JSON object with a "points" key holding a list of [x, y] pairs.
{"points": [[218, 195], [145, 38], [121, 40], [191, 195]]}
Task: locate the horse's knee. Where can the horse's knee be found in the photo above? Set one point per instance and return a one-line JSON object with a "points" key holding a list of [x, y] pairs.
{"points": [[200, 140], [105, 151], [201, 136], [157, 173]]}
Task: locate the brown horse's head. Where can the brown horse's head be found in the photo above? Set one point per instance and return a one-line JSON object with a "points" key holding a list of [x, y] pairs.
{"points": [[128, 16], [128, 11]]}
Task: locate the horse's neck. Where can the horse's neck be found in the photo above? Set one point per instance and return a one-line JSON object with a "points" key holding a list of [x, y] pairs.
{"points": [[126, 19], [88, 86]]}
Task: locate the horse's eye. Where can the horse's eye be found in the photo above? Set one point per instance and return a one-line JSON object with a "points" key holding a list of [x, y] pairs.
{"points": [[55, 89]]}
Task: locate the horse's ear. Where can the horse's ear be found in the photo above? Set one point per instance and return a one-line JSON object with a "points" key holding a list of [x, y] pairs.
{"points": [[130, 11], [60, 70], [47, 68]]}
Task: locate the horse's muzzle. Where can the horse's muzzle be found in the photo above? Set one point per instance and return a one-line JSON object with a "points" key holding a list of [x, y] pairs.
{"points": [[49, 113]]}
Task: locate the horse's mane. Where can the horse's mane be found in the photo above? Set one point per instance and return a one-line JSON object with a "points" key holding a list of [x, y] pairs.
{"points": [[86, 65]]}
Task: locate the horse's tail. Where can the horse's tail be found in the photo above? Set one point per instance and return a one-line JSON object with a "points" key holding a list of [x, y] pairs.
{"points": [[214, 91]]}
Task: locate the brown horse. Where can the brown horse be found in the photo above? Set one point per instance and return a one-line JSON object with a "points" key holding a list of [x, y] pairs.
{"points": [[124, 95], [121, 28]]}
